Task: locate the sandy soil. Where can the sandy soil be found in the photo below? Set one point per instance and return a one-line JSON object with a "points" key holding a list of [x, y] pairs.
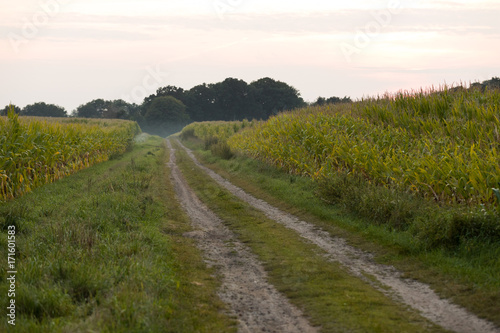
{"points": [[415, 294], [258, 306]]}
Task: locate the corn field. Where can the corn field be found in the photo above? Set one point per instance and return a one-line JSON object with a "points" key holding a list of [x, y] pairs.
{"points": [[36, 151], [220, 130], [441, 143]]}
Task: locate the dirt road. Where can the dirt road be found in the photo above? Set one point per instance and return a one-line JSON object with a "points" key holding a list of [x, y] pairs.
{"points": [[258, 306], [412, 293]]}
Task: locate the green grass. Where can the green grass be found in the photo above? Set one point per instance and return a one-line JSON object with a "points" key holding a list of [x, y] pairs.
{"points": [[468, 275], [102, 250], [325, 291]]}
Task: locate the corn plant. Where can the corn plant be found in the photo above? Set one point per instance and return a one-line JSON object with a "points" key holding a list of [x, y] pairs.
{"points": [[220, 130]]}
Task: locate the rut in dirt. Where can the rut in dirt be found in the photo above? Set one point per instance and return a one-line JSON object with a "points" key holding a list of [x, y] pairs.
{"points": [[417, 295], [258, 306]]}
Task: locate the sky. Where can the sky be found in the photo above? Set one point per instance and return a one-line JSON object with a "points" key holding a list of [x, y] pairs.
{"points": [[69, 52]]}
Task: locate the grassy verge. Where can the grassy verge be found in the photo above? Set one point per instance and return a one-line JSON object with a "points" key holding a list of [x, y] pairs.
{"points": [[102, 250], [468, 275], [327, 294]]}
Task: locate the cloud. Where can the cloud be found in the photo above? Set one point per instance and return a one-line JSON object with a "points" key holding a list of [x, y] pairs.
{"points": [[347, 21]]}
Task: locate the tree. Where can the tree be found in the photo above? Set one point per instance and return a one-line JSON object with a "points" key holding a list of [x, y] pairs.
{"points": [[93, 109], [117, 109], [332, 100], [44, 110], [320, 101], [494, 83], [173, 91], [474, 86], [276, 96], [233, 100], [99, 108], [6, 109], [166, 109], [134, 112], [200, 102], [165, 116]]}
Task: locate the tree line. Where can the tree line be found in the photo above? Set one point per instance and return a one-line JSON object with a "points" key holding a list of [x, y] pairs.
{"points": [[40, 109], [171, 107]]}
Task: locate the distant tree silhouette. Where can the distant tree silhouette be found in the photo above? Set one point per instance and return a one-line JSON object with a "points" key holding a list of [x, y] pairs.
{"points": [[6, 109], [494, 83], [166, 109], [200, 101], [232, 99], [93, 109], [332, 100], [176, 92], [275, 96], [42, 109], [117, 109]]}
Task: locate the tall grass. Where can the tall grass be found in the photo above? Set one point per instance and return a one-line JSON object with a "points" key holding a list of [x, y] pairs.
{"points": [[35, 151]]}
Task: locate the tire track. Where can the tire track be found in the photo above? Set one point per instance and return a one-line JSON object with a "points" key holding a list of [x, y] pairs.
{"points": [[417, 295], [258, 306]]}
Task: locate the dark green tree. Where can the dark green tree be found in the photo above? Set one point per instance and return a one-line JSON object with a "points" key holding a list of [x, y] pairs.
{"points": [[93, 109], [173, 91], [275, 96], [494, 83], [320, 101], [134, 112], [332, 100], [42, 109], [166, 109], [475, 85], [234, 100], [165, 116], [200, 102], [117, 109], [6, 109], [99, 108]]}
